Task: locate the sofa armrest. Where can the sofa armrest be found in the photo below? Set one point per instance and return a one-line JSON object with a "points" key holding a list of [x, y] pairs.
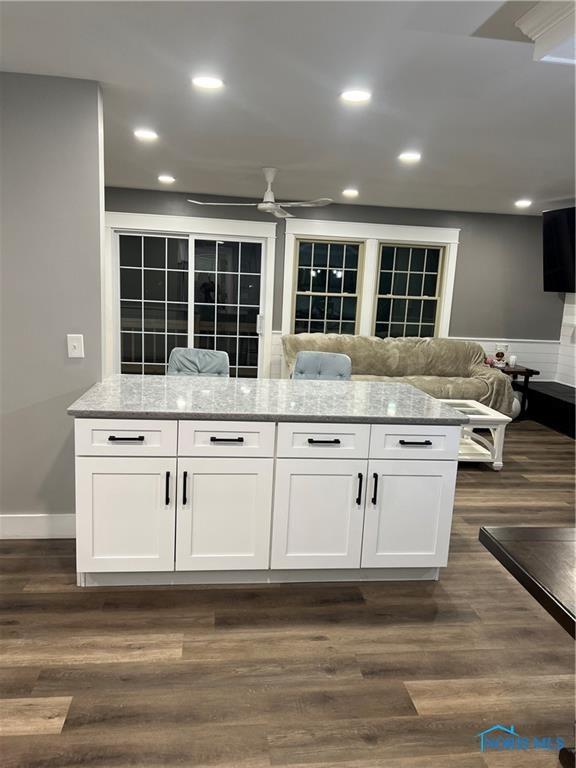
{"points": [[500, 392]]}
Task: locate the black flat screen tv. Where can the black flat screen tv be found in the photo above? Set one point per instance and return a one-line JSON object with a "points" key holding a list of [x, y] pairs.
{"points": [[558, 229]]}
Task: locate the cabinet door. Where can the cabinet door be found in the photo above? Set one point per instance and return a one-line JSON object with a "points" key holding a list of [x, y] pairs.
{"points": [[318, 513], [224, 513], [125, 511], [408, 513]]}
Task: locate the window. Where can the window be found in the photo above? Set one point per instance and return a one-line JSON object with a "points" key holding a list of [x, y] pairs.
{"points": [[153, 300], [327, 285], [402, 283], [407, 291], [227, 277]]}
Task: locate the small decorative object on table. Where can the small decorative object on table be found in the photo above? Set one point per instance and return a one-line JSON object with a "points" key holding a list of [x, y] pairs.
{"points": [[500, 355]]}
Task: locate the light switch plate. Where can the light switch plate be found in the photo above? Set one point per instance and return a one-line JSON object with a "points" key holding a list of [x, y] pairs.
{"points": [[75, 345]]}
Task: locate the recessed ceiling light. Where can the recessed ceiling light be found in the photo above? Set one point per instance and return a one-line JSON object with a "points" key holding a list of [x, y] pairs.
{"points": [[355, 96], [145, 134], [523, 203], [207, 82], [166, 178], [410, 156], [350, 192]]}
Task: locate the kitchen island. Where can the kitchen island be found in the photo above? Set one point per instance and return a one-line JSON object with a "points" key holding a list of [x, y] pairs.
{"points": [[183, 480]]}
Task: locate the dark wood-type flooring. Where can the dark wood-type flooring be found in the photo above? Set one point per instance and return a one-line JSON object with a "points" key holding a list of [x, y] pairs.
{"points": [[399, 675]]}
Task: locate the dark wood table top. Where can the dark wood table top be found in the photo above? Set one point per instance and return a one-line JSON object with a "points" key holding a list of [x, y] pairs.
{"points": [[543, 560], [519, 370]]}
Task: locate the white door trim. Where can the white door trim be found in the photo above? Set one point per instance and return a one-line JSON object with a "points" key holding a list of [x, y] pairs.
{"points": [[190, 226]]}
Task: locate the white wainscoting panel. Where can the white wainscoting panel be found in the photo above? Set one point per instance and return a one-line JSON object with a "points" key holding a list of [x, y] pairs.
{"points": [[565, 372]]}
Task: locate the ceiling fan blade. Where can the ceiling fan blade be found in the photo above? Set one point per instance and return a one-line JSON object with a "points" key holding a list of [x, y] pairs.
{"points": [[321, 201], [228, 205], [280, 213]]}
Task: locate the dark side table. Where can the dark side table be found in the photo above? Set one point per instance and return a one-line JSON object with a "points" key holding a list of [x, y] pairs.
{"points": [[526, 374]]}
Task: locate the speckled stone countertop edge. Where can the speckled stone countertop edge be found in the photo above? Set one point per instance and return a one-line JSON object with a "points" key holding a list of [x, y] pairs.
{"points": [[274, 418]]}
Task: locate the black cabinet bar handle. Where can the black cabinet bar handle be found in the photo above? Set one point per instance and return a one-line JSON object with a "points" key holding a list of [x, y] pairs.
{"points": [[184, 483], [375, 494], [359, 497], [313, 441], [226, 439], [167, 499], [114, 439], [415, 442]]}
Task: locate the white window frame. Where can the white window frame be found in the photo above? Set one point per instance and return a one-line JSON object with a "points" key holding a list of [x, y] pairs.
{"points": [[191, 227], [372, 235]]}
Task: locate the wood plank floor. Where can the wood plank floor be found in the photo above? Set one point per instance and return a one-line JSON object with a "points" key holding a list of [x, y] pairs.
{"points": [[399, 675]]}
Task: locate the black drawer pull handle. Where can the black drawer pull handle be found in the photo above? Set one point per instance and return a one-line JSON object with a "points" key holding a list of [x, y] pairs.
{"points": [[415, 442], [359, 497], [313, 441], [375, 494], [184, 484], [167, 499], [114, 439], [226, 439]]}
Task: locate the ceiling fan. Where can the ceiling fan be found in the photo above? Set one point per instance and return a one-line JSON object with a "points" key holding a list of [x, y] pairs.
{"points": [[269, 204]]}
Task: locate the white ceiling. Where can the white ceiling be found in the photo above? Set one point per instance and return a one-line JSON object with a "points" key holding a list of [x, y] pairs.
{"points": [[492, 124]]}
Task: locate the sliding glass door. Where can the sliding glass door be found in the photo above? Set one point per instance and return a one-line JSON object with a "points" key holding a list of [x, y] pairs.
{"points": [[188, 292]]}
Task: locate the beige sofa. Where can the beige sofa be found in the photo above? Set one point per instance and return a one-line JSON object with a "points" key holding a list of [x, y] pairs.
{"points": [[441, 367]]}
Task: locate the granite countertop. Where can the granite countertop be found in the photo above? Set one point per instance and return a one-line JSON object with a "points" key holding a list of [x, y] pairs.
{"points": [[189, 397]]}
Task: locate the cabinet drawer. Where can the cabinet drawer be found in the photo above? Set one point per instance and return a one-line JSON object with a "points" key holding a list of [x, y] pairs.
{"points": [[389, 441], [226, 438], [125, 437], [323, 441]]}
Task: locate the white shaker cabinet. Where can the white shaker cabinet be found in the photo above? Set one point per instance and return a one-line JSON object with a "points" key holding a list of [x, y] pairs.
{"points": [[224, 513], [408, 513], [125, 513], [318, 513]]}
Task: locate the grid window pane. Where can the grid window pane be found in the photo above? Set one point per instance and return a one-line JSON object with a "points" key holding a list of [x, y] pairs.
{"points": [[227, 284], [326, 287], [177, 286], [155, 252], [130, 251], [130, 284], [155, 316], [250, 290], [146, 288], [131, 315], [228, 256], [205, 287], [155, 284], [407, 277], [154, 347], [177, 254], [177, 318]]}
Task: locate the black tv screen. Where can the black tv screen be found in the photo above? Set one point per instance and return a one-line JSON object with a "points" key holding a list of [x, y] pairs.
{"points": [[559, 250]]}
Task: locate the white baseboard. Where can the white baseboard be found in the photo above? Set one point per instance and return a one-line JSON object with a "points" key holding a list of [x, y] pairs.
{"points": [[36, 526]]}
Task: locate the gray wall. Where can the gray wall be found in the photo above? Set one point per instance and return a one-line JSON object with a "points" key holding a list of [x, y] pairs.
{"points": [[498, 289], [50, 268]]}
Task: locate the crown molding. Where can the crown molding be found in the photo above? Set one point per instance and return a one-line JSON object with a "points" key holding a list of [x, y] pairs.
{"points": [[549, 25]]}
